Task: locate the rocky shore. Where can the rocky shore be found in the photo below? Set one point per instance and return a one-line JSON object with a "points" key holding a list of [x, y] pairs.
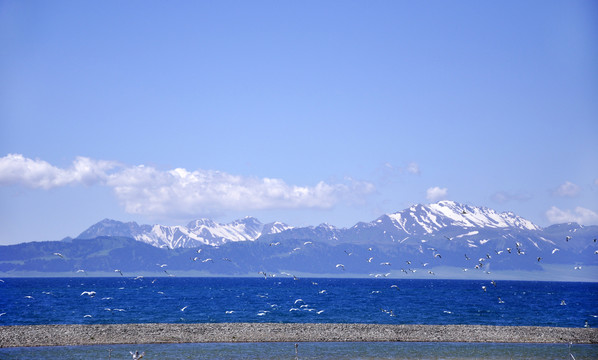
{"points": [[60, 335]]}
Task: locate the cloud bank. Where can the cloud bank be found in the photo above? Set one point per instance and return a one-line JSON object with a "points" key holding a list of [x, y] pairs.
{"points": [[148, 191], [568, 189], [580, 215], [436, 193]]}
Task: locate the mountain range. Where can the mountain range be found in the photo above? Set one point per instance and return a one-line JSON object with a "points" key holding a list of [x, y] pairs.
{"points": [[444, 239]]}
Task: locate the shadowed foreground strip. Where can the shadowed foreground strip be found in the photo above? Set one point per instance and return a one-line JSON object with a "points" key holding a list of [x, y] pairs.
{"points": [[59, 335]]}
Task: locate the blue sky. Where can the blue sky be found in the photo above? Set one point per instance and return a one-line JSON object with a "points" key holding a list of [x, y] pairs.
{"points": [[303, 112]]}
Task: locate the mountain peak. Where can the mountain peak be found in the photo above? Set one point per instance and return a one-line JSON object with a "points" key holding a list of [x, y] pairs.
{"points": [[426, 219]]}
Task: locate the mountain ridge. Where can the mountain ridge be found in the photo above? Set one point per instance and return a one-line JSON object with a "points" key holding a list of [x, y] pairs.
{"points": [[417, 220], [443, 239]]}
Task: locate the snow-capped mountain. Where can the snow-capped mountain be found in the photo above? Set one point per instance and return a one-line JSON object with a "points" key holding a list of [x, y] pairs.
{"points": [[423, 239], [196, 233], [422, 219]]}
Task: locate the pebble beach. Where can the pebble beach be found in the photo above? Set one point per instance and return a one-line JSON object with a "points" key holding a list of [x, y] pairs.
{"points": [[73, 335]]}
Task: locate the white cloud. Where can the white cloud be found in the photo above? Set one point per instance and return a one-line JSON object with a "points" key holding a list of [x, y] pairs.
{"points": [[17, 169], [568, 189], [579, 215], [148, 191], [413, 168], [436, 193]]}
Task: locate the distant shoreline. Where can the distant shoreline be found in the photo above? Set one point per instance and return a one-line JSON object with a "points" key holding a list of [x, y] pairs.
{"points": [[74, 335]]}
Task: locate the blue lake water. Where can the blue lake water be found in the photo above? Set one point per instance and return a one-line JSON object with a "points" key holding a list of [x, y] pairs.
{"points": [[27, 301]]}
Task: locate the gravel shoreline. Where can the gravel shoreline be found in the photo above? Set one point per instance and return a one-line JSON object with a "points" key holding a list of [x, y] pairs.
{"points": [[69, 335]]}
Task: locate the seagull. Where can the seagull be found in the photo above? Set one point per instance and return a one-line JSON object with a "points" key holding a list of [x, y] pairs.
{"points": [[466, 257], [484, 288], [370, 259], [408, 262], [348, 253], [385, 263], [183, 309], [162, 265], [80, 271], [563, 302], [59, 254], [118, 271], [206, 260], [263, 273], [136, 355], [341, 266], [568, 238], [199, 251], [307, 243], [493, 283], [395, 286], [539, 258], [437, 255], [500, 301], [275, 243], [509, 250], [90, 293], [555, 250], [370, 249], [431, 273]]}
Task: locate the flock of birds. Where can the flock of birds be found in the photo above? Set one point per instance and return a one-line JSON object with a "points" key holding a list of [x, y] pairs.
{"points": [[481, 263]]}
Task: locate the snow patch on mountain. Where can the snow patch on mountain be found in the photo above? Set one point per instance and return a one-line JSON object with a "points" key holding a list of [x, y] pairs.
{"points": [[428, 219]]}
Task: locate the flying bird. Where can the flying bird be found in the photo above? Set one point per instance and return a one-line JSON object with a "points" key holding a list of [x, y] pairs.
{"points": [[370, 259], [59, 254], [184, 307], [118, 271], [341, 266], [90, 293], [555, 250]]}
